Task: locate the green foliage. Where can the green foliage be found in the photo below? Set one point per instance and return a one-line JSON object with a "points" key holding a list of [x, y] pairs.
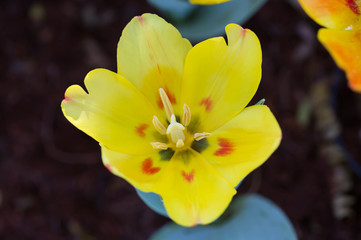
{"points": [[261, 102], [175, 10], [250, 217], [199, 22], [153, 201]]}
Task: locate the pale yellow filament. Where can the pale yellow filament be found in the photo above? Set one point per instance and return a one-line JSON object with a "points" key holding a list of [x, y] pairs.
{"points": [[159, 126], [166, 103], [159, 145], [200, 136], [186, 119]]}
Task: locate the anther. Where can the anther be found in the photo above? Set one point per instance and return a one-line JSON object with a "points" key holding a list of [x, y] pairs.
{"points": [[159, 126], [159, 145], [186, 119], [166, 103], [200, 136]]}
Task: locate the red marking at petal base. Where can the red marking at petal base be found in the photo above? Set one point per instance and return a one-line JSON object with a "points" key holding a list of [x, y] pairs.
{"points": [[226, 147], [140, 130], [147, 167], [107, 165], [188, 176], [207, 102], [171, 97], [160, 103], [353, 6]]}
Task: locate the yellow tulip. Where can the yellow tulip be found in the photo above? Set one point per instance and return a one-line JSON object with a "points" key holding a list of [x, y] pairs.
{"points": [[173, 119]]}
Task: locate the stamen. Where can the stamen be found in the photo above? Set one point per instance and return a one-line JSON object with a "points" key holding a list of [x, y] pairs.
{"points": [[166, 103], [159, 145], [159, 126], [180, 143], [186, 119], [200, 136]]}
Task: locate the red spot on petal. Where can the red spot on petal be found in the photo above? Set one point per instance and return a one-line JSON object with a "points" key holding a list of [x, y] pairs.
{"points": [[226, 147], [140, 19], [140, 130], [243, 32], [188, 176], [353, 6], [66, 98], [147, 167], [107, 165], [207, 102], [171, 97]]}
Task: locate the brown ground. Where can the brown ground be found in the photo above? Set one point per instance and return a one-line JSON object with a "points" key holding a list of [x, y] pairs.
{"points": [[52, 182]]}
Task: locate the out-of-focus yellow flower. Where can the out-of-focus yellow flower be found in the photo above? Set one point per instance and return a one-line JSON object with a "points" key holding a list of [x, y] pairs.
{"points": [[207, 2], [173, 119], [342, 35]]}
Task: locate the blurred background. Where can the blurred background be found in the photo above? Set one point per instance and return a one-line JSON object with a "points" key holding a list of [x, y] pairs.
{"points": [[52, 182]]}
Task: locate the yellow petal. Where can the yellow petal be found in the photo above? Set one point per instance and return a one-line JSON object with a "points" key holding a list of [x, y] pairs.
{"points": [[151, 54], [333, 14], [142, 171], [113, 112], [220, 79], [193, 192], [207, 2], [244, 143], [345, 48]]}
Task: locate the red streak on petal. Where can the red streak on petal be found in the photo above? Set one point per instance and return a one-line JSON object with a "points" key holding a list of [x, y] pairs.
{"points": [[207, 102], [188, 176], [353, 6], [140, 130], [171, 97], [147, 167], [107, 165], [226, 147], [159, 69]]}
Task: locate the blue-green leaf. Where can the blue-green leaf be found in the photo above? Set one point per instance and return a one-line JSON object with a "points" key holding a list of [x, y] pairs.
{"points": [[250, 217], [199, 22], [153, 201], [174, 10], [261, 102]]}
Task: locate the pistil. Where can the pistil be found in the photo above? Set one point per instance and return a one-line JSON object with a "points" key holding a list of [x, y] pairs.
{"points": [[175, 130]]}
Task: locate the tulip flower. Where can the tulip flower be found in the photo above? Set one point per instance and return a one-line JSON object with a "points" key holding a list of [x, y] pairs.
{"points": [[173, 119], [342, 35]]}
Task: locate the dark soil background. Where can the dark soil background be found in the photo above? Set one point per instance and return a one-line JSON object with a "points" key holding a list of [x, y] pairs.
{"points": [[52, 182]]}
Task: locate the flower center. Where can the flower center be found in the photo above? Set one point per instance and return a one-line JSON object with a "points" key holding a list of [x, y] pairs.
{"points": [[176, 132]]}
